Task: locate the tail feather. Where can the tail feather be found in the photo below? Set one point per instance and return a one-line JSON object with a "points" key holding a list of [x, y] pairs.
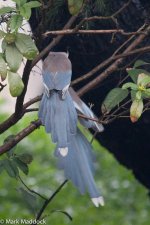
{"points": [[59, 131], [69, 170], [59, 117], [78, 165], [71, 115], [43, 109], [48, 117]]}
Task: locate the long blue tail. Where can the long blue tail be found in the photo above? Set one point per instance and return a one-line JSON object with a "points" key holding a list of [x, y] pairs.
{"points": [[78, 166], [59, 117], [73, 151]]}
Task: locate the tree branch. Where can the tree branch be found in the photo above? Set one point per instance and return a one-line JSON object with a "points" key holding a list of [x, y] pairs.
{"points": [[108, 61], [13, 119], [114, 66], [22, 134], [71, 31], [20, 99]]}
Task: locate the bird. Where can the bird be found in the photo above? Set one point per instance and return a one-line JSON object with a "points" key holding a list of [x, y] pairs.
{"points": [[58, 113]]}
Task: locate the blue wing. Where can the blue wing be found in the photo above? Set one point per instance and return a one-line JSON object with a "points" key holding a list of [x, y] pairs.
{"points": [[83, 109]]}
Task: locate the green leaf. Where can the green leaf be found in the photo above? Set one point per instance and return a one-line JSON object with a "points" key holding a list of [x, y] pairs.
{"points": [[130, 85], [15, 84], [5, 10], [20, 2], [26, 158], [138, 95], [21, 165], [133, 95], [2, 34], [141, 76], [146, 93], [113, 98], [32, 4], [139, 63], [136, 110], [143, 80], [25, 12], [15, 22], [26, 46], [3, 46], [10, 38], [133, 73], [29, 199], [3, 68], [11, 168], [74, 6], [13, 57]]}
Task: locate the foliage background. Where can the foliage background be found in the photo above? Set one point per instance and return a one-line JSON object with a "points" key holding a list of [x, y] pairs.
{"points": [[126, 200]]}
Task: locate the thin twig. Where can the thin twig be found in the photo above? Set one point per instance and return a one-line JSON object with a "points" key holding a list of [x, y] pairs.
{"points": [[31, 110], [32, 101], [71, 31], [117, 116], [46, 203], [89, 118], [30, 190], [128, 40], [112, 17], [105, 121]]}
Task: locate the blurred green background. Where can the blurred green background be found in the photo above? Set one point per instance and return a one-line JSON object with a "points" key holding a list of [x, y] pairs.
{"points": [[126, 200]]}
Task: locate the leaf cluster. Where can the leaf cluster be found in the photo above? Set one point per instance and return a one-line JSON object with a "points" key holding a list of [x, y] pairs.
{"points": [[138, 88], [13, 163], [16, 45]]}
